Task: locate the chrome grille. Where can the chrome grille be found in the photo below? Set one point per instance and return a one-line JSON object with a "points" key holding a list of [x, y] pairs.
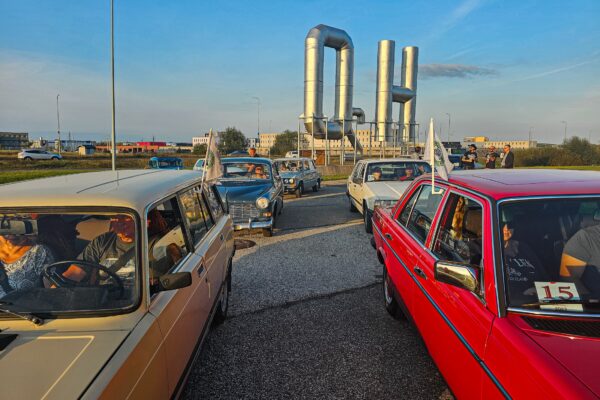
{"points": [[242, 212]]}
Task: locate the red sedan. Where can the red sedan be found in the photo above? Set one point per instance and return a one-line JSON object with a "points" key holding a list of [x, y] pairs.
{"points": [[500, 273]]}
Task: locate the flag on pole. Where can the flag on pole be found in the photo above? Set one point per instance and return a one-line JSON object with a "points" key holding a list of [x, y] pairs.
{"points": [[212, 163], [436, 154]]}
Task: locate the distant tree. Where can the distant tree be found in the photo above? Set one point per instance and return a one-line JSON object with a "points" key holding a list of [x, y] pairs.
{"points": [[231, 140], [284, 142], [200, 149]]}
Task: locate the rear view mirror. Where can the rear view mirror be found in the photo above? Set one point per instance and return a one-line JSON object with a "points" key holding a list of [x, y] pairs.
{"points": [[175, 280], [464, 276]]}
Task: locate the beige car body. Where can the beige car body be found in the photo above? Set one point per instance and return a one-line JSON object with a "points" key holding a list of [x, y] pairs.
{"points": [[145, 353]]}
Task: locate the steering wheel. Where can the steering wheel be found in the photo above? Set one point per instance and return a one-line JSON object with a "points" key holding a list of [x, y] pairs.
{"points": [[54, 274]]}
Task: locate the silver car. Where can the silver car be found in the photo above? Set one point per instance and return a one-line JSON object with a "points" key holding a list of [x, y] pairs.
{"points": [[298, 174], [37, 154]]}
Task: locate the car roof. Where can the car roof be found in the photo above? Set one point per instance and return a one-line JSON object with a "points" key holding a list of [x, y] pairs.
{"points": [[246, 159], [398, 159], [506, 183], [292, 159], [124, 188]]}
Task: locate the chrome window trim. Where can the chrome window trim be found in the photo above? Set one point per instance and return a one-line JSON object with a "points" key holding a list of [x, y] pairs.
{"points": [[460, 337], [529, 198]]}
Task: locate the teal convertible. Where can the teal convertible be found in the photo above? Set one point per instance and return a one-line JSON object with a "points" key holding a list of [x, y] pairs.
{"points": [[165, 163]]}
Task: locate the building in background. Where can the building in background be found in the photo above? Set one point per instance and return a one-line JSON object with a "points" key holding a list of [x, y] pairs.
{"points": [[252, 142], [198, 140], [14, 140], [86, 150]]}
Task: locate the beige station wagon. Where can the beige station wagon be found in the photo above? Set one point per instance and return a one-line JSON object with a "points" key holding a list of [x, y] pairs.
{"points": [[109, 282]]}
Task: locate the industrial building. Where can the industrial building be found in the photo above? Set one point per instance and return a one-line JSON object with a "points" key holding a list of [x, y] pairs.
{"points": [[14, 140]]}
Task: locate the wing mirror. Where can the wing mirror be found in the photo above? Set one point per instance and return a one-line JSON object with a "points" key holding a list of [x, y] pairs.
{"points": [[173, 281], [464, 276]]}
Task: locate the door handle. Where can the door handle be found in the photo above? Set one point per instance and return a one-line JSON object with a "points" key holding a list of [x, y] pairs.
{"points": [[388, 236], [420, 272], [221, 237], [201, 270]]}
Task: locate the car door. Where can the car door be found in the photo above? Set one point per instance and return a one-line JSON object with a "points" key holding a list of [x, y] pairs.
{"points": [[455, 322], [182, 314], [355, 186]]}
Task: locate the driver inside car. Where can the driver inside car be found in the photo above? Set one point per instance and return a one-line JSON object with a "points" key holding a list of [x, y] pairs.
{"points": [[114, 250]]}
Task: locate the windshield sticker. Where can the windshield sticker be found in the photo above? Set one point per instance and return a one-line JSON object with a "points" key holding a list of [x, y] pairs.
{"points": [[558, 291]]}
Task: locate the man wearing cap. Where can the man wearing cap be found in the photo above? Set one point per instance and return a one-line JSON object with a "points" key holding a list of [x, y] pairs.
{"points": [[470, 157]]}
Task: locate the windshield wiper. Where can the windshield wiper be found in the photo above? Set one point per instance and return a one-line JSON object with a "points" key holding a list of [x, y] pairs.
{"points": [[21, 314]]}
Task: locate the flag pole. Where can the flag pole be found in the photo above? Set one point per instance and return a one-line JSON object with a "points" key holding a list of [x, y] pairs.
{"points": [[210, 138]]}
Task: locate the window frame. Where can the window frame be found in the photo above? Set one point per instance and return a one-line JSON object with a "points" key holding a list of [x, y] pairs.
{"points": [[420, 186], [186, 222]]}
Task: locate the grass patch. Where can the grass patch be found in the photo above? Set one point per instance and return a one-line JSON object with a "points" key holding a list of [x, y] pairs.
{"points": [[16, 176], [334, 177]]}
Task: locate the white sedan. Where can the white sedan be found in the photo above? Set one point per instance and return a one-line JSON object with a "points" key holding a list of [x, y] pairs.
{"points": [[380, 183]]}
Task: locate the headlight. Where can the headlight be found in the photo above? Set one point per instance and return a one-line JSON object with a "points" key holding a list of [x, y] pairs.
{"points": [[384, 203], [262, 202], [291, 180], [286, 180]]}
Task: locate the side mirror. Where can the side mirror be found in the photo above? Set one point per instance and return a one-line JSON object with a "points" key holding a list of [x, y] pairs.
{"points": [[464, 276], [358, 181], [173, 281]]}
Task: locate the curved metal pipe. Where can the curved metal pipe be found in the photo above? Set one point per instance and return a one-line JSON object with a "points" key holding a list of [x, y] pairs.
{"points": [[387, 93], [317, 39]]}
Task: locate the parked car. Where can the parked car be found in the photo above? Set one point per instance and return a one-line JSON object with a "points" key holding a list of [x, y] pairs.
{"points": [[165, 163], [253, 193], [37, 154], [120, 281], [199, 165], [298, 174], [380, 183], [499, 272], [291, 154]]}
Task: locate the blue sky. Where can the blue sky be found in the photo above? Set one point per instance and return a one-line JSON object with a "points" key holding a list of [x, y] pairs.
{"points": [[183, 67]]}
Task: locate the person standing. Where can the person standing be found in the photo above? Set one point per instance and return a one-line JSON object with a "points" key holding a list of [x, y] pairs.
{"points": [[490, 158], [252, 152], [417, 153], [508, 158], [470, 157]]}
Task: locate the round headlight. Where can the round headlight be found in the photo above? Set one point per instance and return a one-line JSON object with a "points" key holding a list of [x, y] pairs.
{"points": [[262, 202], [291, 180], [286, 180]]}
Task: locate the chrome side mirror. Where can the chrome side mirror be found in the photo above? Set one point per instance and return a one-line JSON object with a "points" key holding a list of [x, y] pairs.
{"points": [[464, 276]]}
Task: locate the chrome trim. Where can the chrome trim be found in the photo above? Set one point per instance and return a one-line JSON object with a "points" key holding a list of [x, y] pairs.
{"points": [[518, 310], [446, 319], [253, 225], [528, 198]]}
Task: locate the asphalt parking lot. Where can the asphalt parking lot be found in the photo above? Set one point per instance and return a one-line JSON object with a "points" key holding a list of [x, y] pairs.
{"points": [[306, 318]]}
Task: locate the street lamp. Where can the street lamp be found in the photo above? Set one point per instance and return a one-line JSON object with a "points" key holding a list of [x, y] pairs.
{"points": [[448, 114], [58, 123], [530, 130], [113, 135], [565, 122], [258, 112]]}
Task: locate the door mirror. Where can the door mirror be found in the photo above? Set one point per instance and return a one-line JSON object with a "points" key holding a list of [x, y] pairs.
{"points": [[464, 276], [358, 181], [173, 281]]}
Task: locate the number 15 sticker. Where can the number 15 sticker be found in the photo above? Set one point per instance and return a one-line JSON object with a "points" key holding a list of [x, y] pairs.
{"points": [[566, 291]]}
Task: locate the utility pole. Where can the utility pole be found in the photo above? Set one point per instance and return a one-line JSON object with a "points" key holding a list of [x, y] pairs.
{"points": [[530, 130], [112, 62], [258, 113], [58, 124], [565, 122], [448, 114]]}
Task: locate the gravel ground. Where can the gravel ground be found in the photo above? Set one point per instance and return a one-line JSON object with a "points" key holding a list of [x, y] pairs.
{"points": [[306, 317]]}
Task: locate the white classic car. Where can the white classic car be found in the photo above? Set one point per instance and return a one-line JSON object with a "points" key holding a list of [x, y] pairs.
{"points": [[380, 183]]}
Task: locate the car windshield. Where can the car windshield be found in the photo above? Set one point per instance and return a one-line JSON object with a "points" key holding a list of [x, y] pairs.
{"points": [[67, 262], [246, 170], [396, 171], [551, 254], [168, 163], [288, 165]]}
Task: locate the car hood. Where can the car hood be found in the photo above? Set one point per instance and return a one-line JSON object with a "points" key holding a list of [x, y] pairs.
{"points": [[54, 365], [580, 355], [235, 191], [289, 174], [388, 190]]}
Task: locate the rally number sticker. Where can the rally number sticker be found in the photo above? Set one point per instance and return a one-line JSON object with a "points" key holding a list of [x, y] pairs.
{"points": [[565, 291]]}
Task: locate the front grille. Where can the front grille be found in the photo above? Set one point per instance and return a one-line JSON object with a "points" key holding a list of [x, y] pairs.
{"points": [[566, 326], [242, 212]]}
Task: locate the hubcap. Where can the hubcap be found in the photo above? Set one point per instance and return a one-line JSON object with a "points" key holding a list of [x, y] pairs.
{"points": [[225, 297], [386, 289]]}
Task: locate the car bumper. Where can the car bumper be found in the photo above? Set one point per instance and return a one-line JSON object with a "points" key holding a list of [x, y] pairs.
{"points": [[289, 188], [253, 224]]}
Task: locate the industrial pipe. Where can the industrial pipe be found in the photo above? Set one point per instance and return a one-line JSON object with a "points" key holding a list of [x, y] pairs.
{"points": [[387, 93]]}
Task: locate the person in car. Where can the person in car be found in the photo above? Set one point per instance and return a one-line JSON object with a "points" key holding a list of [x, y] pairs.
{"points": [[259, 172], [376, 174], [522, 266], [580, 261], [408, 175], [22, 261]]}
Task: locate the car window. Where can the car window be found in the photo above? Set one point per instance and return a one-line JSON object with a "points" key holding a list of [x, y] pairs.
{"points": [[403, 216], [396, 170], [306, 166], [166, 239], [426, 205], [312, 165], [246, 170], [358, 172], [195, 214], [459, 237], [214, 202]]}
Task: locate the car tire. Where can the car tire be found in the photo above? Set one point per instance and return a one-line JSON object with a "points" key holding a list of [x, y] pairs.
{"points": [[367, 219], [319, 184], [54, 158], [391, 305], [223, 306], [315, 188], [28, 158], [300, 190], [353, 208], [267, 232]]}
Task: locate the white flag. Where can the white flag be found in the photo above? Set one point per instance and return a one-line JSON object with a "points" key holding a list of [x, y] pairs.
{"points": [[436, 154], [212, 163]]}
